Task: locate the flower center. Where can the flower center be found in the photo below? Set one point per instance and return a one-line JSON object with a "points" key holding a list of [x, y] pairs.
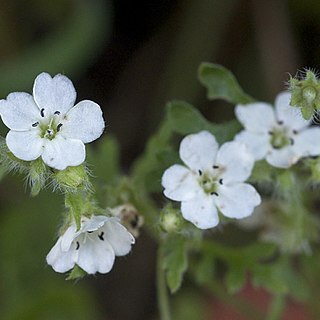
{"points": [[280, 138], [49, 126], [209, 182]]}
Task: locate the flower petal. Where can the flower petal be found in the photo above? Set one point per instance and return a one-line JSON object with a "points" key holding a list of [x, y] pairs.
{"points": [[290, 116], [283, 158], [19, 111], [235, 162], [238, 200], [95, 256], [201, 211], [67, 238], [84, 122], [198, 151], [118, 236], [61, 261], [61, 153], [307, 143], [25, 145], [180, 183], [257, 143], [256, 117], [54, 94], [93, 224]]}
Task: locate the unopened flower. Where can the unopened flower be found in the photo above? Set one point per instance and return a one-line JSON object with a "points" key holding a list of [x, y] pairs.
{"points": [[48, 124], [281, 135], [212, 179], [93, 248]]}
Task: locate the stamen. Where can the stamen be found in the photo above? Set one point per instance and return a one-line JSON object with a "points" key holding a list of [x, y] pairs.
{"points": [[78, 245], [49, 132], [42, 113], [215, 167], [295, 131], [57, 112], [221, 181], [200, 172], [89, 231], [291, 141], [101, 236], [270, 132], [280, 122], [59, 127], [214, 193], [35, 124]]}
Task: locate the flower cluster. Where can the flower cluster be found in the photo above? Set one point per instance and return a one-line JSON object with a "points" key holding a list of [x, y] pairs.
{"points": [[93, 248], [281, 135], [48, 124], [212, 179]]}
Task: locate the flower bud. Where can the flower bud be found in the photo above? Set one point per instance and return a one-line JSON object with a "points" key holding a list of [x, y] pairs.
{"points": [[305, 93], [170, 220], [37, 176]]}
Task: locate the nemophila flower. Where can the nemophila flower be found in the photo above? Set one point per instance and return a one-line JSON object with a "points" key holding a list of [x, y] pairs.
{"points": [[48, 124], [93, 248], [281, 135], [212, 179]]}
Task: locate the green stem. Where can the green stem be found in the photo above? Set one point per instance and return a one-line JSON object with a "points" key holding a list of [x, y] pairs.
{"points": [[277, 307], [162, 291]]}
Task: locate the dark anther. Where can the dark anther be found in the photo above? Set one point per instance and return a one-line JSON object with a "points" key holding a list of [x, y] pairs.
{"points": [[35, 124], [200, 172], [214, 193], [295, 131], [205, 181], [276, 147], [270, 132], [221, 181], [49, 132], [59, 127], [101, 236], [78, 245], [215, 167], [42, 112], [89, 231], [57, 112], [291, 141], [280, 122]]}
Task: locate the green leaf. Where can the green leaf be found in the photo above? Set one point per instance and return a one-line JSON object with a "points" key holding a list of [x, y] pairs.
{"points": [[175, 261], [221, 84], [205, 269], [184, 119], [235, 278]]}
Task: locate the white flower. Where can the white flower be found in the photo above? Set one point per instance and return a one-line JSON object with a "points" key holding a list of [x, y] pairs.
{"points": [[279, 135], [48, 124], [212, 179], [93, 248]]}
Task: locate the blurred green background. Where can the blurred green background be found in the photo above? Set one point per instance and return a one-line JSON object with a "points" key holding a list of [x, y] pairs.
{"points": [[131, 57]]}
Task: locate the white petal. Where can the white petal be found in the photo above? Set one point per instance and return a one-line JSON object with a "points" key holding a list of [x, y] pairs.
{"points": [[19, 111], [61, 261], [283, 158], [201, 211], [307, 141], [258, 143], [198, 151], [118, 236], [84, 122], [256, 117], [238, 200], [291, 116], [180, 183], [235, 161], [95, 256], [54, 94], [67, 238], [61, 153], [25, 145], [93, 224]]}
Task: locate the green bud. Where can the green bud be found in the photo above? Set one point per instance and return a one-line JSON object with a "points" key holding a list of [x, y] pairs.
{"points": [[76, 273], [72, 178], [170, 220], [305, 93]]}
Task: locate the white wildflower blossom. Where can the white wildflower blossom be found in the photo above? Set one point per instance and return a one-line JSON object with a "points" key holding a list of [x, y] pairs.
{"points": [[93, 248], [48, 124], [212, 180], [280, 135]]}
